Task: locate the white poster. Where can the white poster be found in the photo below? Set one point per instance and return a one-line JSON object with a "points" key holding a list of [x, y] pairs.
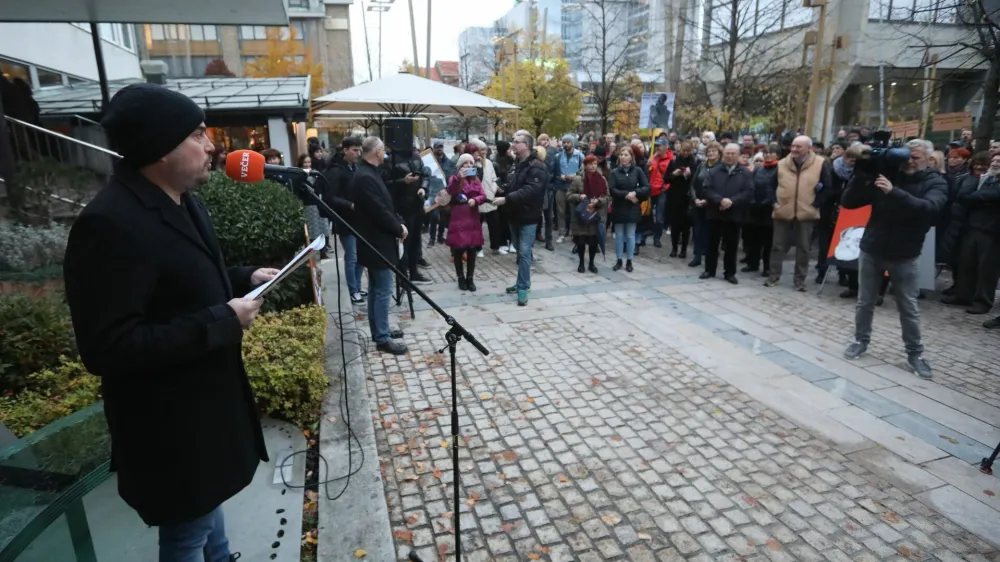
{"points": [[656, 110]]}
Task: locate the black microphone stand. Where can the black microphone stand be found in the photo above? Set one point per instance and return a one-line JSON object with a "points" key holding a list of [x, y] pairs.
{"points": [[455, 333]]}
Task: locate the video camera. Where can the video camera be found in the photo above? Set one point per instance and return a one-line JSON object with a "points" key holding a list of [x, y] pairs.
{"points": [[883, 159]]}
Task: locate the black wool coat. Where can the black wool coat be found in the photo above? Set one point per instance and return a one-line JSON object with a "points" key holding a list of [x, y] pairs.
{"points": [[623, 181], [375, 217], [147, 288]]}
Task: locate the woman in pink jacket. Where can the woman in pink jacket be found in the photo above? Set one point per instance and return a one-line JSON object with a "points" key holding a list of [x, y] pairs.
{"points": [[465, 231]]}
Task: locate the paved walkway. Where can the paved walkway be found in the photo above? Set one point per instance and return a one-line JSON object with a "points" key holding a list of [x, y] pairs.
{"points": [[653, 416]]}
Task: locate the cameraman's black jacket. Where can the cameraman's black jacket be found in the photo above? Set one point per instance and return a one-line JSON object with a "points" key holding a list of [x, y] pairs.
{"points": [[338, 179], [405, 197], [900, 219]]}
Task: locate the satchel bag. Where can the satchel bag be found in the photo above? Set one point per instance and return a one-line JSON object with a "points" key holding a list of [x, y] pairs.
{"points": [[586, 216]]}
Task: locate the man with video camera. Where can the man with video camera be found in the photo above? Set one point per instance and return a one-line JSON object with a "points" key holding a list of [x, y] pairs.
{"points": [[407, 181], [906, 197]]}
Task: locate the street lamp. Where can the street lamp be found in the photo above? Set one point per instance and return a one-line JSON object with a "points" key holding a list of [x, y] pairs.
{"points": [[380, 6]]}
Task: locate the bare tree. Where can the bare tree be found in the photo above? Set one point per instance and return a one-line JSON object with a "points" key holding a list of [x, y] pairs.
{"points": [[602, 59], [742, 61], [975, 52]]}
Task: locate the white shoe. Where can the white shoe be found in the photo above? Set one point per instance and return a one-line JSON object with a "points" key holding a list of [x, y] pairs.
{"points": [[479, 254], [502, 251], [512, 250], [560, 239]]}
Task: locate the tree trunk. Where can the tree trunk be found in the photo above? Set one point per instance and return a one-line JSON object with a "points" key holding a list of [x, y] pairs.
{"points": [[991, 103]]}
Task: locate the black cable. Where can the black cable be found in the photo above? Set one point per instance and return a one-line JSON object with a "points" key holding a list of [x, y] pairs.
{"points": [[345, 405]]}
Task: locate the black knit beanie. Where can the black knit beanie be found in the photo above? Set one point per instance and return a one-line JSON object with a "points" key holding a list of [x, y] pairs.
{"points": [[144, 122]]}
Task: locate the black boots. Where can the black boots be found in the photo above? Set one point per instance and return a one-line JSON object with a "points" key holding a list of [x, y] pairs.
{"points": [[459, 270], [471, 270]]}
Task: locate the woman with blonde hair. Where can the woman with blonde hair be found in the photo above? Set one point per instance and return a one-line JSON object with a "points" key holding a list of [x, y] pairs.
{"points": [[465, 231], [629, 187], [939, 162]]}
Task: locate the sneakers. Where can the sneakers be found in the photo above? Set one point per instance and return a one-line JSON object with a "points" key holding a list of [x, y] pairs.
{"points": [[522, 298], [855, 350], [423, 263], [419, 278], [560, 240], [771, 283], [395, 348], [364, 294], [480, 254], [511, 249], [919, 366], [503, 251], [512, 290], [356, 298]]}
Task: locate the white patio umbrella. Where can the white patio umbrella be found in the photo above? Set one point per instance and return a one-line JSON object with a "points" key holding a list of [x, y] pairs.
{"points": [[407, 95]]}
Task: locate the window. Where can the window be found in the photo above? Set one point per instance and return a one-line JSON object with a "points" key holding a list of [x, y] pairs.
{"points": [[12, 70], [47, 78], [253, 32], [300, 30], [156, 32], [74, 80], [298, 4], [117, 33], [203, 33]]}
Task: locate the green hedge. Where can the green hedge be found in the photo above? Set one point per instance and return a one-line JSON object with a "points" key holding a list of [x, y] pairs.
{"points": [[260, 224], [34, 334], [283, 352], [25, 249]]}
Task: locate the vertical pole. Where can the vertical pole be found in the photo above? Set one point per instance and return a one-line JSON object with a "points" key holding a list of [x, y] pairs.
{"points": [[380, 44], [814, 82], [368, 49], [668, 41], [829, 88], [427, 123], [517, 91], [102, 74], [428, 72], [413, 36], [881, 79]]}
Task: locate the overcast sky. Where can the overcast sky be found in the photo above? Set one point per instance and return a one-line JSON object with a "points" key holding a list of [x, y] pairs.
{"points": [[449, 18]]}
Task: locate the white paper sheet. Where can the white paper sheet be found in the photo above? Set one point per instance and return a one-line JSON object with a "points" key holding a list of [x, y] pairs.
{"points": [[301, 258]]}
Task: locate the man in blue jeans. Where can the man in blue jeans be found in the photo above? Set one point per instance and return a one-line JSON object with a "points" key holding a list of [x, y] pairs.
{"points": [[378, 223], [903, 210], [524, 207], [335, 194]]}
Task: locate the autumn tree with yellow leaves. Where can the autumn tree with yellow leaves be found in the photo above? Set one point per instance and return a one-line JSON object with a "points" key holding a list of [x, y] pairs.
{"points": [[549, 100], [287, 56]]}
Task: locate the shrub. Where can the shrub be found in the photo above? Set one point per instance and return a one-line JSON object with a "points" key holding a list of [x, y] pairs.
{"points": [[260, 224], [284, 355], [34, 333], [53, 394], [26, 248]]}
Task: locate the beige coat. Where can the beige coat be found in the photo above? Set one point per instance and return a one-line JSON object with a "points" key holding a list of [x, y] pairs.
{"points": [[489, 186], [797, 189]]}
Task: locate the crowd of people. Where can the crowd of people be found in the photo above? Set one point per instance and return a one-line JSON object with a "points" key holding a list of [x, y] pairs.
{"points": [[710, 194]]}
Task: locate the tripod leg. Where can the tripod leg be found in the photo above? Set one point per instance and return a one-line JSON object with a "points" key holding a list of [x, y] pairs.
{"points": [[452, 345]]}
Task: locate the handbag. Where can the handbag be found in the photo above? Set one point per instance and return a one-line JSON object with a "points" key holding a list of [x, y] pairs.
{"points": [[586, 216]]}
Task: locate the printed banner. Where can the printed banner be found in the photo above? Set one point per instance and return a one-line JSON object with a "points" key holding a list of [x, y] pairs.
{"points": [[656, 110], [845, 247]]}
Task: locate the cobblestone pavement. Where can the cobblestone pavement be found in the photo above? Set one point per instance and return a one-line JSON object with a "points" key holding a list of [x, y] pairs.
{"points": [[652, 416]]}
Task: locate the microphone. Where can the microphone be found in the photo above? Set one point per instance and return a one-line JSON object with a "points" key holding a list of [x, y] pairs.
{"points": [[248, 166]]}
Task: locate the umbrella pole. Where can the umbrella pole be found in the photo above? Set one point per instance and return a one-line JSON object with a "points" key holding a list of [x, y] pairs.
{"points": [[102, 73]]}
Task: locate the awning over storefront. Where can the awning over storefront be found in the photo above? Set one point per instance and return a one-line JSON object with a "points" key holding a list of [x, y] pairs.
{"points": [[226, 101]]}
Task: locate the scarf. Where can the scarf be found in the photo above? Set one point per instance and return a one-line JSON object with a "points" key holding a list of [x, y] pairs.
{"points": [[594, 185], [841, 168], [767, 164]]}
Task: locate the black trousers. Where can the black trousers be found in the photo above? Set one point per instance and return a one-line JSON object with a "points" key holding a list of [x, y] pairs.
{"points": [[467, 270], [824, 236], [412, 244], [492, 221], [503, 228], [728, 234], [979, 267], [679, 220], [757, 240]]}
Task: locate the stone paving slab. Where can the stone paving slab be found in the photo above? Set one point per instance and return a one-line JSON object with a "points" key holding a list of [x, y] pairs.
{"points": [[610, 431]]}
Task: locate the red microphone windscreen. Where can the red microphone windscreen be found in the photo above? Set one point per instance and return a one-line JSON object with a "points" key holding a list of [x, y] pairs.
{"points": [[245, 166]]}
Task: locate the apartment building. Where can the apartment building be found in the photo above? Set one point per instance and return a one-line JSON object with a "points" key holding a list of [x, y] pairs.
{"points": [[320, 26], [48, 55]]}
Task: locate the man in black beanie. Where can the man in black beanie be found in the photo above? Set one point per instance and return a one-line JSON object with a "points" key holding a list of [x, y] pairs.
{"points": [[158, 316]]}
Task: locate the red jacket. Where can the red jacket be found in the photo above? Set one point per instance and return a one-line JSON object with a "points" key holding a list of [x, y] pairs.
{"points": [[657, 169]]}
